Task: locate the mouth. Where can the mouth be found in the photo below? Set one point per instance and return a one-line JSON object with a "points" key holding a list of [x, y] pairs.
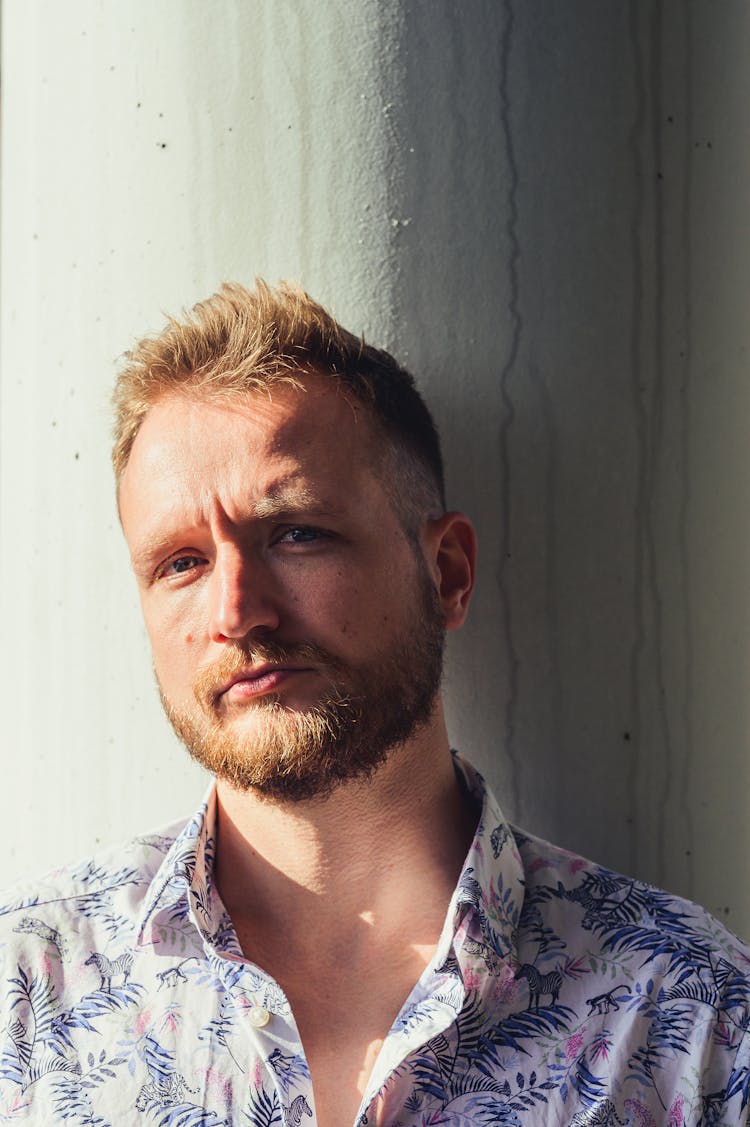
{"points": [[256, 681]]}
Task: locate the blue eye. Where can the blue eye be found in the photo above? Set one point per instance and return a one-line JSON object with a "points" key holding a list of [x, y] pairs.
{"points": [[301, 535], [182, 564]]}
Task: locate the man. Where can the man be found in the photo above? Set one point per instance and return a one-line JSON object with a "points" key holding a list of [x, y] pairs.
{"points": [[347, 931]]}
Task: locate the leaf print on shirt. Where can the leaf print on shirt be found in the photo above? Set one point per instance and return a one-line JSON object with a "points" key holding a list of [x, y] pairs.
{"points": [[534, 929], [477, 1109], [265, 1109], [444, 1076], [534, 1025], [220, 1030], [71, 1101], [739, 1082], [104, 877], [101, 883], [30, 1050], [572, 1074], [502, 910], [85, 1012]]}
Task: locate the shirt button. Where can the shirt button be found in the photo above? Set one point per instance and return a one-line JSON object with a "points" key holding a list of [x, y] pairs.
{"points": [[258, 1017]]}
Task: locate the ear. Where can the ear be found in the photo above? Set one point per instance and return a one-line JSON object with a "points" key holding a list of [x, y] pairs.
{"points": [[450, 545]]}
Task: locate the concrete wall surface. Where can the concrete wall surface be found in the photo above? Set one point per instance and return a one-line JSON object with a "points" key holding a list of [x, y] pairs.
{"points": [[541, 209]]}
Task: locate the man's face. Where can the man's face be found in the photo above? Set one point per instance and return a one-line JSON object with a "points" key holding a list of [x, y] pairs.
{"points": [[296, 631]]}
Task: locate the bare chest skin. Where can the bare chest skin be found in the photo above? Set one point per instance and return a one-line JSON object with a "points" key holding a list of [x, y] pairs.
{"points": [[343, 1013]]}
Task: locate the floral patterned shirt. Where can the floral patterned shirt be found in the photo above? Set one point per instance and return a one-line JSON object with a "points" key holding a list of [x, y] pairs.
{"points": [[560, 993]]}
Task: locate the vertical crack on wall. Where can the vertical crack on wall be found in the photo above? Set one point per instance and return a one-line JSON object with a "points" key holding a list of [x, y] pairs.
{"points": [[685, 388], [508, 409], [656, 431], [641, 427]]}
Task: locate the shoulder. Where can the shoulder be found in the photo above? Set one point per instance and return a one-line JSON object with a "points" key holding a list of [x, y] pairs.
{"points": [[91, 901], [642, 975], [584, 896]]}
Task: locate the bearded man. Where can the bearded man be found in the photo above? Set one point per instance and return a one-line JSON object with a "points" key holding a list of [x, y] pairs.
{"points": [[347, 931]]}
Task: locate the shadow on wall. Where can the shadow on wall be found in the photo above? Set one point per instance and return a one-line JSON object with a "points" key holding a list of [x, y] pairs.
{"points": [[583, 346]]}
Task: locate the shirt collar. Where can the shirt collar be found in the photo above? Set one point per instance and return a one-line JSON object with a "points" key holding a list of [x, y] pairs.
{"points": [[484, 909], [183, 886], [486, 905]]}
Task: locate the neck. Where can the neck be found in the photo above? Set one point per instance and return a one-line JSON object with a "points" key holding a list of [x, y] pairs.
{"points": [[373, 852]]}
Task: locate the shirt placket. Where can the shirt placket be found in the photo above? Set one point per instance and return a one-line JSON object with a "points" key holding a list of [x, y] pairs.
{"points": [[263, 1011], [273, 1039], [429, 1011]]}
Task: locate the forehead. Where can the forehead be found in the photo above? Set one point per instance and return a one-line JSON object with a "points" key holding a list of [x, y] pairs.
{"points": [[190, 452]]}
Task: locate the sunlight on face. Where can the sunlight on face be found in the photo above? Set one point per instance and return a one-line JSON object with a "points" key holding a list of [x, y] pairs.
{"points": [[286, 753]]}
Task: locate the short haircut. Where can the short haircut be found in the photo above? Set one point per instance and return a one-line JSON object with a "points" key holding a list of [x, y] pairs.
{"points": [[241, 341]]}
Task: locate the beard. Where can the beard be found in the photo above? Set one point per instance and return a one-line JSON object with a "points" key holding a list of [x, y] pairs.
{"points": [[362, 714]]}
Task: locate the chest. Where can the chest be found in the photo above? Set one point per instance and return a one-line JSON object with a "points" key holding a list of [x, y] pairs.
{"points": [[343, 1021], [339, 1072]]}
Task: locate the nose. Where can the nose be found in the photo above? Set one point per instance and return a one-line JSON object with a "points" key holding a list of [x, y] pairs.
{"points": [[241, 596]]}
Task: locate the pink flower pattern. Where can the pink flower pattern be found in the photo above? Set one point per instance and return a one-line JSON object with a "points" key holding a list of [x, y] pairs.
{"points": [[676, 1117], [573, 1045]]}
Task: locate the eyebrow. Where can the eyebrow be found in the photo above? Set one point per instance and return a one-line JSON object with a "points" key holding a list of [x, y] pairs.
{"points": [[288, 495], [283, 498]]}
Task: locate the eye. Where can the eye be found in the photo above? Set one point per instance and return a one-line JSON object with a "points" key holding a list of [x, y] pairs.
{"points": [[301, 534], [180, 565]]}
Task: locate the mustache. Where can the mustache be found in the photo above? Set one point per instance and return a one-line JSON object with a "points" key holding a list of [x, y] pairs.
{"points": [[239, 655]]}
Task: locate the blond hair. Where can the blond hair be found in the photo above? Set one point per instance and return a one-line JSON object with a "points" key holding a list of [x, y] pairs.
{"points": [[241, 341]]}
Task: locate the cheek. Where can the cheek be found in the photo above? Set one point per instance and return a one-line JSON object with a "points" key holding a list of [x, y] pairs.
{"points": [[335, 607], [173, 622], [174, 645], [176, 665]]}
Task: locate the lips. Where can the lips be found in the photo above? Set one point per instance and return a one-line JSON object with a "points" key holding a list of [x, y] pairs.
{"points": [[257, 680], [242, 673]]}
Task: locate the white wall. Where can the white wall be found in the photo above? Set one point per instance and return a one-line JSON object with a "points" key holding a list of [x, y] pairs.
{"points": [[541, 209]]}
